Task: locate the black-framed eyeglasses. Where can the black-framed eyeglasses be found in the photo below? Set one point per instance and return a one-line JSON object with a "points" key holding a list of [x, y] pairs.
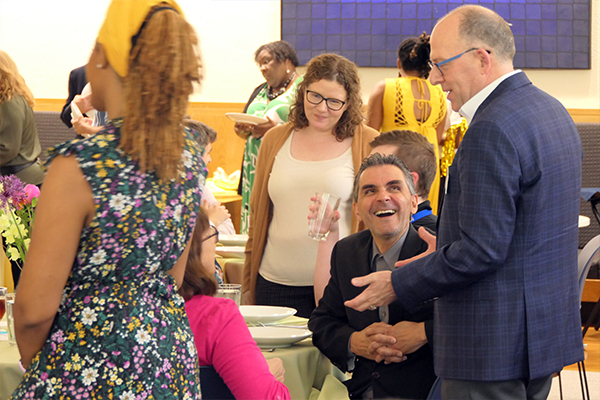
{"points": [[438, 65], [316, 99], [213, 232]]}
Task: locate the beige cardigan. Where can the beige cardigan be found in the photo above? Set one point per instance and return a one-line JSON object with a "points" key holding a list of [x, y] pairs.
{"points": [[261, 207]]}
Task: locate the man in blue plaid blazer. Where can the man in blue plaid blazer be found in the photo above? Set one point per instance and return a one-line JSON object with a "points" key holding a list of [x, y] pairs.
{"points": [[505, 269]]}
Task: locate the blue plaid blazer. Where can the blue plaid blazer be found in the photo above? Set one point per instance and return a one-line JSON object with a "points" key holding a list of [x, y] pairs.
{"points": [[506, 267]]}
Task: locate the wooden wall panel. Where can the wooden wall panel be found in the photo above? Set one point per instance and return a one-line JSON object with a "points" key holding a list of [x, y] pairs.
{"points": [[580, 115], [228, 150]]}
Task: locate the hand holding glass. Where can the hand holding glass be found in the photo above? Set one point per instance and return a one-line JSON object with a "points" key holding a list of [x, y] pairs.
{"points": [[322, 213]]}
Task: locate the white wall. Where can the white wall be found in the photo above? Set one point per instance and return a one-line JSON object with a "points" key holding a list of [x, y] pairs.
{"points": [[47, 39]]}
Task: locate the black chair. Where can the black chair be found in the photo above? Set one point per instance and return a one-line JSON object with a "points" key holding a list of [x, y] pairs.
{"points": [[212, 385], [592, 253], [588, 256]]}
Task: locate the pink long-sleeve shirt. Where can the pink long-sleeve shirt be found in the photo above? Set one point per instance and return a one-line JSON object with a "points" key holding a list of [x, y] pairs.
{"points": [[224, 341]]}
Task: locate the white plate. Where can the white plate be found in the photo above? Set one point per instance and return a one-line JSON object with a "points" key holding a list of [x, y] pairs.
{"points": [[265, 315], [246, 118], [231, 251], [233, 240], [274, 337]]}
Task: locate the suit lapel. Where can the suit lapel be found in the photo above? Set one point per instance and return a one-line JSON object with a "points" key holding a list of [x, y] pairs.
{"points": [[411, 245], [365, 246], [509, 84]]}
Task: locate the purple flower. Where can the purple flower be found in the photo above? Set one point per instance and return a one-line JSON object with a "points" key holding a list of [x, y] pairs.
{"points": [[12, 192]]}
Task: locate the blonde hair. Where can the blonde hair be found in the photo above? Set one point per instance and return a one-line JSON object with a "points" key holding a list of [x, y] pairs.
{"points": [[11, 81], [163, 65]]}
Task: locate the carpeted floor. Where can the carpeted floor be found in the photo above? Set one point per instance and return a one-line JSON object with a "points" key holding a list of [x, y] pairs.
{"points": [[572, 388]]}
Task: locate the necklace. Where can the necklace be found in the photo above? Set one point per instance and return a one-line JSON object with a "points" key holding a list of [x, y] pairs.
{"points": [[272, 96]]}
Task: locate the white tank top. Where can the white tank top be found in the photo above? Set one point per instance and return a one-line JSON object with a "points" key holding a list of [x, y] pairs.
{"points": [[290, 255]]}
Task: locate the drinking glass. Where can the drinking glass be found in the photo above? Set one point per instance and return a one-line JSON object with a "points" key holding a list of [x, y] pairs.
{"points": [[230, 291], [322, 213], [10, 302]]}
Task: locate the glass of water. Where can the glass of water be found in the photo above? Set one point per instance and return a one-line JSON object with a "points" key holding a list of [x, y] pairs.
{"points": [[230, 291]]}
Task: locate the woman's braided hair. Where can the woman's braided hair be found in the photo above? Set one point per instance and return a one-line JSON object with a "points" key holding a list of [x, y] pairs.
{"points": [[413, 54]]}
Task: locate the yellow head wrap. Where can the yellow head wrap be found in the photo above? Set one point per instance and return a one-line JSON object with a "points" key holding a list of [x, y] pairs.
{"points": [[123, 21]]}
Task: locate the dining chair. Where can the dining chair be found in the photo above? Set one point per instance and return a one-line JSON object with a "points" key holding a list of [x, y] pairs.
{"points": [[233, 269], [51, 130], [435, 393], [212, 385], [588, 256]]}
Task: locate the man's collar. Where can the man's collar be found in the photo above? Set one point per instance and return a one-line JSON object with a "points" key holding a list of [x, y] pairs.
{"points": [[390, 256], [469, 109]]}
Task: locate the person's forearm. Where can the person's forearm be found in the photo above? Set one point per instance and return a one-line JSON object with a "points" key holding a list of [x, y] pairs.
{"points": [[31, 339], [322, 265]]}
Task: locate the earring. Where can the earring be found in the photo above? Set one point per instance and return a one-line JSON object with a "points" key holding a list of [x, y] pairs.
{"points": [[287, 71], [99, 66]]}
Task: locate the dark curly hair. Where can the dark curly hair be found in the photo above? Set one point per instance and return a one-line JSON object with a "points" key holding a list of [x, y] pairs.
{"points": [[335, 68], [413, 54], [280, 50]]}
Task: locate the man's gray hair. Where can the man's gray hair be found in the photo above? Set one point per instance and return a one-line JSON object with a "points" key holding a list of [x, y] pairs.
{"points": [[377, 160], [481, 27]]}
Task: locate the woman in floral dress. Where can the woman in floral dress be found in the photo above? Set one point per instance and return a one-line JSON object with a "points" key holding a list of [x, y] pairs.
{"points": [[97, 313]]}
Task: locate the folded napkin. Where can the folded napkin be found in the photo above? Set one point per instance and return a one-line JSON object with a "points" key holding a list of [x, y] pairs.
{"points": [[224, 181]]}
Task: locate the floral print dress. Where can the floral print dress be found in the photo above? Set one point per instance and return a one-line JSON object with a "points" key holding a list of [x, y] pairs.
{"points": [[121, 331]]}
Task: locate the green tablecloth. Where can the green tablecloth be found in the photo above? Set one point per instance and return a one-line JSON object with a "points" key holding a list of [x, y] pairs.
{"points": [[10, 371]]}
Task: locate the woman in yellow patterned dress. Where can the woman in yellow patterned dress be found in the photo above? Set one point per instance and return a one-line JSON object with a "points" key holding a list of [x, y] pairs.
{"points": [[98, 315], [411, 101]]}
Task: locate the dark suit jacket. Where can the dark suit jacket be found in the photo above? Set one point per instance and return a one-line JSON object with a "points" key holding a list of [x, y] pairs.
{"points": [[77, 81], [505, 270], [332, 324]]}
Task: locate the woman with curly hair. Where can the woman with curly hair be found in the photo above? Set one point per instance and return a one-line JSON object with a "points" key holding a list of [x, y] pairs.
{"points": [[411, 102], [318, 150], [19, 142], [98, 314]]}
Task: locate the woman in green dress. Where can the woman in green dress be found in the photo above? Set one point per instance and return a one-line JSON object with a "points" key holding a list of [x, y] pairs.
{"points": [[270, 100]]}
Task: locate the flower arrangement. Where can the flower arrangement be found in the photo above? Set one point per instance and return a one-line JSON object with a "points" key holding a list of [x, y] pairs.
{"points": [[17, 213]]}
